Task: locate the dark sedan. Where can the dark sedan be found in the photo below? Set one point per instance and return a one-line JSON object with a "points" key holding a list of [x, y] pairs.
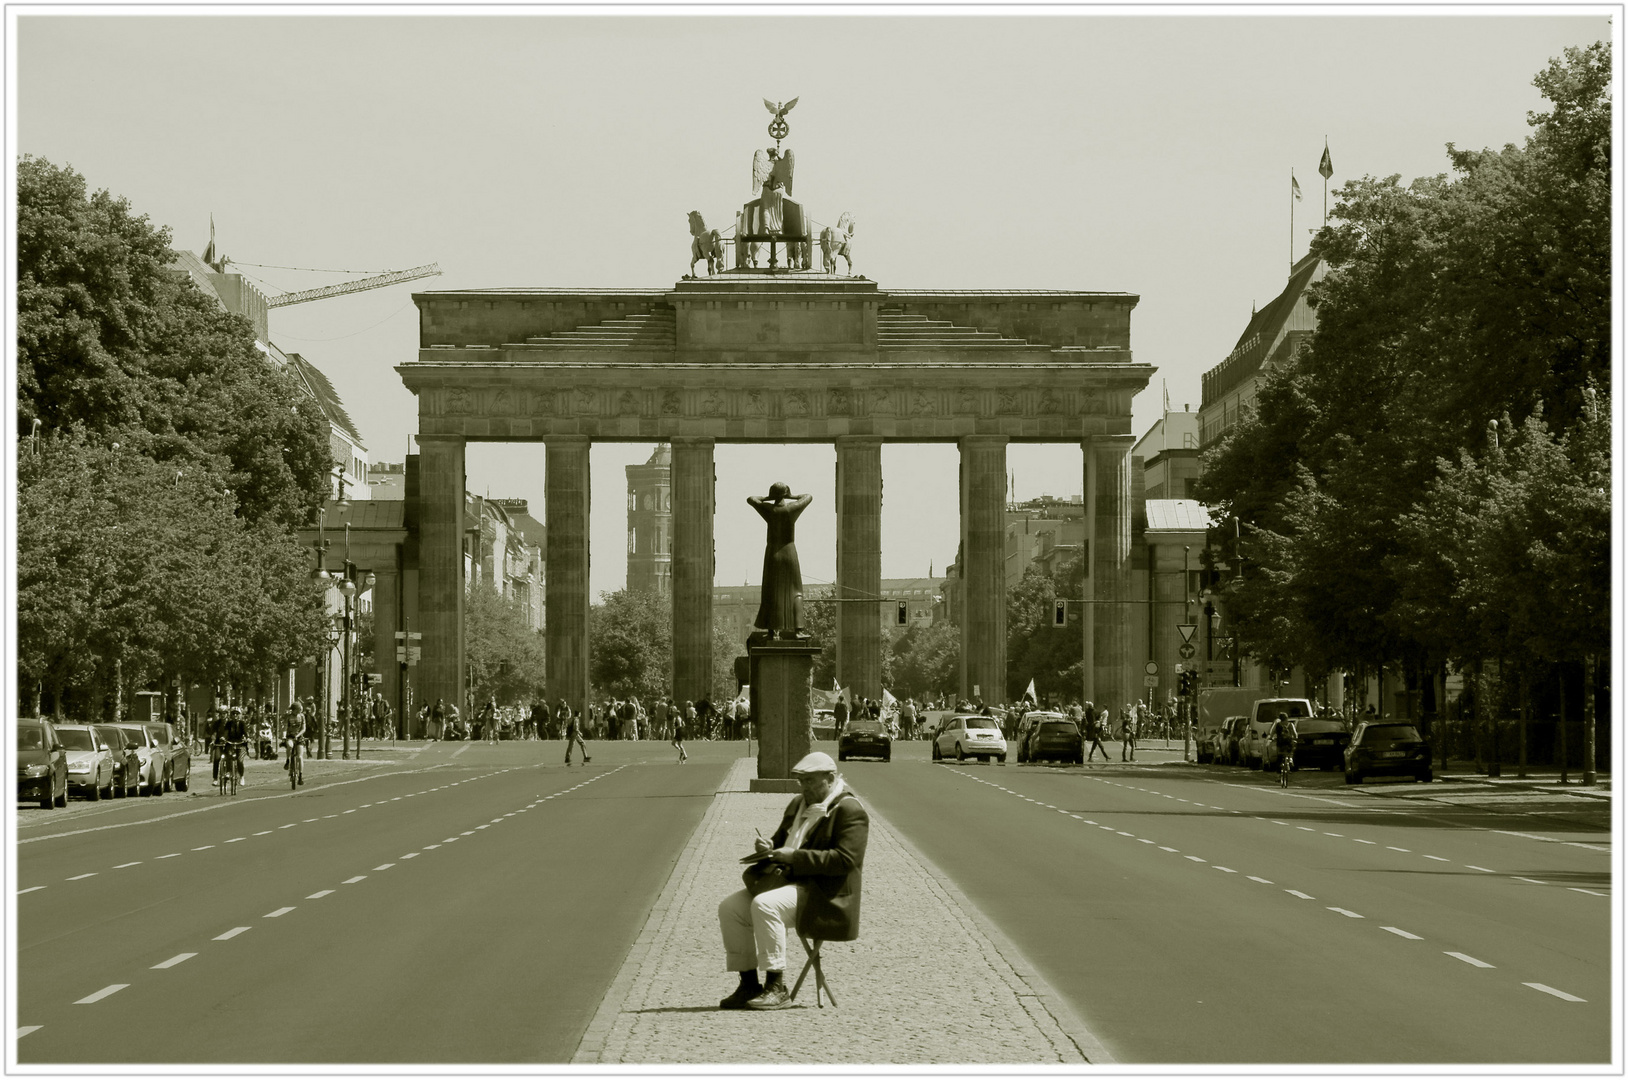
{"points": [[1055, 738], [1387, 749], [1321, 744], [865, 738], [42, 764]]}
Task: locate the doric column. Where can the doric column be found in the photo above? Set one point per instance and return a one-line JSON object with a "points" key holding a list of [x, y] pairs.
{"points": [[859, 564], [386, 621], [1109, 679], [566, 497], [441, 568], [983, 579], [692, 567]]}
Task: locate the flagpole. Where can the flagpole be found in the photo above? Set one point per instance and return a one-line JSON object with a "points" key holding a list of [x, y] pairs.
{"points": [[1291, 221], [1325, 183]]}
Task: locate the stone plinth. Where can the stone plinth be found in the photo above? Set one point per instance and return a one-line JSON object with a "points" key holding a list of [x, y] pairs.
{"points": [[780, 709]]}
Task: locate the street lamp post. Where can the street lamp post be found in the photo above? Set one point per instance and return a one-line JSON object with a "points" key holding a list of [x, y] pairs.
{"points": [[348, 588]]}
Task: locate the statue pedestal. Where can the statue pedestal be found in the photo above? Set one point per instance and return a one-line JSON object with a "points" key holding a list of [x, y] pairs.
{"points": [[780, 709]]}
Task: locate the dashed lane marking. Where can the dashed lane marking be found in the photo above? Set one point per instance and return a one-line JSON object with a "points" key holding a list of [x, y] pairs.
{"points": [[230, 934], [178, 958], [354, 880], [28, 1029], [171, 855], [105, 991], [82, 877], [291, 824], [1437, 858], [1174, 851], [1347, 913], [1339, 834], [1561, 994], [1262, 880], [1226, 870], [1402, 933], [1469, 960], [385, 866], [35, 888], [412, 855], [1194, 858], [1403, 850], [235, 839], [1483, 869], [1531, 881], [279, 913], [1589, 892], [263, 832], [320, 895], [206, 847], [1142, 841], [122, 865], [1297, 892], [1365, 842], [431, 847]]}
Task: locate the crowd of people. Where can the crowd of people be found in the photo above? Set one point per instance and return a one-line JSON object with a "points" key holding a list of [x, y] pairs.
{"points": [[616, 719]]}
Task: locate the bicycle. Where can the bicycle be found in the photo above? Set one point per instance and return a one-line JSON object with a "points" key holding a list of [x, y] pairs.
{"points": [[1285, 766], [227, 778], [296, 775]]}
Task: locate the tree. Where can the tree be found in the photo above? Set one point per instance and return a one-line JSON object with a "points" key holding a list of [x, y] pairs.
{"points": [[630, 634], [926, 660], [1035, 648], [112, 342], [503, 655]]}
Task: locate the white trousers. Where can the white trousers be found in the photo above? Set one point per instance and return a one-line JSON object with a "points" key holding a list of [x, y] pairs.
{"points": [[754, 927]]}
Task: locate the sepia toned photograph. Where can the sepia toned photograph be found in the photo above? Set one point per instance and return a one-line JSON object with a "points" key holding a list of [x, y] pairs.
{"points": [[1052, 540]]}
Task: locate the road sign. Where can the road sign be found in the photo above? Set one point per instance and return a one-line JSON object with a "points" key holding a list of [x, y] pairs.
{"points": [[401, 654], [1150, 680], [413, 652], [1152, 668], [1187, 630], [1187, 652]]}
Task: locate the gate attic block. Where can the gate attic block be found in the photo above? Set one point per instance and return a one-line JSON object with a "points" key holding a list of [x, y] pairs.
{"points": [[790, 357]]}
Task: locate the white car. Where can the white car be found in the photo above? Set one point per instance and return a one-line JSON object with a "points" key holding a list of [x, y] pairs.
{"points": [[90, 761], [150, 780], [963, 736]]}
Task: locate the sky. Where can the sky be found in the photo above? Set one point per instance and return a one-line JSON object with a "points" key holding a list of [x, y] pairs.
{"points": [[1148, 154]]}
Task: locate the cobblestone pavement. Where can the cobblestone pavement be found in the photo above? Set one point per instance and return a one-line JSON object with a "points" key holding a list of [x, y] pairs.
{"points": [[928, 982]]}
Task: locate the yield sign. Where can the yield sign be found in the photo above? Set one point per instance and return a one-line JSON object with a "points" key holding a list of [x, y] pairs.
{"points": [[1187, 631]]}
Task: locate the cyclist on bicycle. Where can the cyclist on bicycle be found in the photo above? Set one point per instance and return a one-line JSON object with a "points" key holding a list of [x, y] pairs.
{"points": [[294, 735], [230, 738], [1284, 734]]}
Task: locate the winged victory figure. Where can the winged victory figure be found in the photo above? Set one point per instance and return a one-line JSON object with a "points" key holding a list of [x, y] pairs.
{"points": [[780, 111]]}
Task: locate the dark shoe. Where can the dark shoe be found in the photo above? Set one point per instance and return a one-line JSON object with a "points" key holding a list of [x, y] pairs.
{"points": [[746, 991], [586, 759]]}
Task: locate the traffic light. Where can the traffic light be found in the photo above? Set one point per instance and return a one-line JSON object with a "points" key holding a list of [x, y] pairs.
{"points": [[1059, 613], [904, 613]]}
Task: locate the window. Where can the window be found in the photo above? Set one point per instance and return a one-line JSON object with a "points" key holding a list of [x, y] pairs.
{"points": [[632, 501], [632, 541]]}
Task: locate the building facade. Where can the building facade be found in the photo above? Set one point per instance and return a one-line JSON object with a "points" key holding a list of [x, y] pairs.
{"points": [[650, 523]]}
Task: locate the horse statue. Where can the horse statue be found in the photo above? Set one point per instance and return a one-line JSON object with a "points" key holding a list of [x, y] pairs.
{"points": [[838, 241], [708, 245]]}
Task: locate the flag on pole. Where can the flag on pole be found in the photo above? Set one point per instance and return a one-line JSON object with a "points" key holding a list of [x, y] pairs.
{"points": [[1029, 693], [1166, 388], [1326, 166], [1296, 185]]}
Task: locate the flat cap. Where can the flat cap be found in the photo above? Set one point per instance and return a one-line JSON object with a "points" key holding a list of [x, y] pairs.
{"points": [[815, 762]]}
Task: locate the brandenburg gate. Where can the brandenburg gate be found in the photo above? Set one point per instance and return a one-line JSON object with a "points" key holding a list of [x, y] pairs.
{"points": [[782, 354]]}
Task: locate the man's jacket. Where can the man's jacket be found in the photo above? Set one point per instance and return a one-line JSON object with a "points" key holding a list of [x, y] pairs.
{"points": [[828, 865]]}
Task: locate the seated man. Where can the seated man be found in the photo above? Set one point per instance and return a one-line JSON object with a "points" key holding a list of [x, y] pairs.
{"points": [[820, 845]]}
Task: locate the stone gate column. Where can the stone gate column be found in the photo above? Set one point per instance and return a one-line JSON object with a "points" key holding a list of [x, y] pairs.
{"points": [[1108, 529], [441, 568], [983, 577], [693, 501], [566, 496], [859, 564]]}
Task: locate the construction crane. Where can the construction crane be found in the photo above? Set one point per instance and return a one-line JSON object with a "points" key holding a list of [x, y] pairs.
{"points": [[395, 277]]}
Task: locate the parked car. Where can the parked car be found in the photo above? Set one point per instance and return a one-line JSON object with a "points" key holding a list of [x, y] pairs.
{"points": [[1230, 742], [1320, 744], [90, 760], [177, 755], [126, 762], [1386, 748], [1207, 738], [963, 736], [1053, 737], [865, 738], [1258, 748], [150, 753], [42, 764]]}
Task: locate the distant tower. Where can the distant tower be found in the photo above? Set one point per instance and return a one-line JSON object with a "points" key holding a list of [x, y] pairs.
{"points": [[650, 523]]}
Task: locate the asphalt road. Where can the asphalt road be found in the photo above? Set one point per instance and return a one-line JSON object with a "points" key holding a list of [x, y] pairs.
{"points": [[1196, 914], [469, 903]]}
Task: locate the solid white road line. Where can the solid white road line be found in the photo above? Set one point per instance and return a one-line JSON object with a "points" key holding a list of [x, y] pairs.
{"points": [[1469, 960], [320, 895], [172, 961], [102, 993], [279, 913], [82, 877], [230, 934], [1347, 914], [1402, 933], [1561, 994], [1297, 892], [354, 880], [28, 1029]]}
